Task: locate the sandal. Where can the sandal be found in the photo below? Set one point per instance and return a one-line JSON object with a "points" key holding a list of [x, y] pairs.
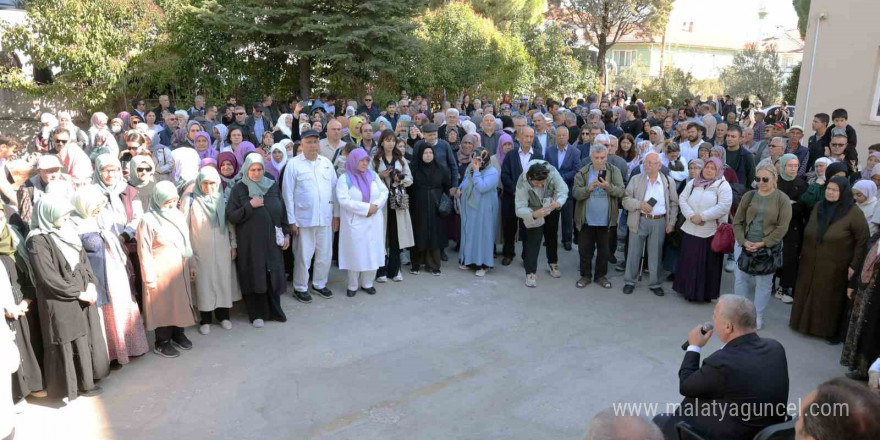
{"points": [[604, 282], [583, 282]]}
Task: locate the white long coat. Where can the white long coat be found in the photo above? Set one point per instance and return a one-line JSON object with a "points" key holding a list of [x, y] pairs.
{"points": [[361, 238]]}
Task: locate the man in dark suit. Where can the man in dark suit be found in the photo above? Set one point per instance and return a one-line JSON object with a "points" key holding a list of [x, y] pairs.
{"points": [[511, 169], [566, 158], [741, 388]]}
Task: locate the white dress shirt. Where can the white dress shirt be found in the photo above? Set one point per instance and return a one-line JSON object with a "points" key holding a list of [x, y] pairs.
{"points": [[309, 191], [657, 191], [524, 159]]}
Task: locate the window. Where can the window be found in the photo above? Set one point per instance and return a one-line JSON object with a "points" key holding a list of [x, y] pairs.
{"points": [[623, 58]]}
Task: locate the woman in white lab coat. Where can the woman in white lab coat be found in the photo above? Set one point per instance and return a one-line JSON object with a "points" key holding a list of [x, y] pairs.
{"points": [[361, 198]]}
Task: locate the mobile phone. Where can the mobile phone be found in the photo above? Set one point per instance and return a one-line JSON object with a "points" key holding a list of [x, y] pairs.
{"points": [[652, 201], [602, 174]]}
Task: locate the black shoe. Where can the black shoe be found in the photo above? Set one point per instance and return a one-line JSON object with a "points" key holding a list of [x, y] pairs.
{"points": [[435, 272], [165, 349], [833, 341], [182, 342], [612, 259], [369, 290], [506, 261], [303, 297], [323, 292], [567, 246], [115, 365], [350, 293], [443, 256], [628, 289], [414, 271], [658, 291], [90, 393]]}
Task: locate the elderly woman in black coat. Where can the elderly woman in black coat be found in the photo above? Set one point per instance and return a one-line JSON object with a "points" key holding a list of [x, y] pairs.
{"points": [[256, 208]]}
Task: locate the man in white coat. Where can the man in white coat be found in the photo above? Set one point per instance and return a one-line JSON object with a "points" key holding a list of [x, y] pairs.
{"points": [[309, 184]]}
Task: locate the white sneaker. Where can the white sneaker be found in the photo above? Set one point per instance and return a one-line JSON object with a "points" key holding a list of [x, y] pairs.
{"points": [[398, 277], [258, 323], [462, 267], [382, 280], [729, 265], [531, 280], [787, 299], [554, 271], [205, 329], [480, 272], [760, 323], [226, 324]]}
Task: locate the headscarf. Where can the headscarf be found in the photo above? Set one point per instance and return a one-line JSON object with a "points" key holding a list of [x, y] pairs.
{"points": [[721, 150], [701, 181], [162, 193], [866, 173], [469, 127], [699, 163], [499, 151], [99, 120], [362, 180], [830, 212], [464, 157], [282, 126], [243, 149], [192, 142], [84, 202], [108, 144], [224, 157], [384, 120], [186, 167], [469, 175], [255, 189], [222, 132], [49, 118], [133, 178], [868, 188], [353, 131], [782, 162], [274, 168], [48, 210], [349, 111], [427, 175], [835, 168], [213, 204], [210, 152], [116, 213]]}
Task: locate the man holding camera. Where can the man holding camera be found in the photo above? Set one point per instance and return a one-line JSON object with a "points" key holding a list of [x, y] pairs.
{"points": [[652, 203], [597, 191]]}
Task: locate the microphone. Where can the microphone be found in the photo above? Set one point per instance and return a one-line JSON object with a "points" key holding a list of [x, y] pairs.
{"points": [[705, 328]]}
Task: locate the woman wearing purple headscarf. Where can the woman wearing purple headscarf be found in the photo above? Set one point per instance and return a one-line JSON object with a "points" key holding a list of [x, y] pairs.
{"points": [[203, 146], [241, 151], [705, 203], [361, 198]]}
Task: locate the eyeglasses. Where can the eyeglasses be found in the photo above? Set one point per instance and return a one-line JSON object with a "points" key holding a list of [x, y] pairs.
{"points": [[368, 100], [838, 145], [762, 179], [61, 141], [144, 170]]}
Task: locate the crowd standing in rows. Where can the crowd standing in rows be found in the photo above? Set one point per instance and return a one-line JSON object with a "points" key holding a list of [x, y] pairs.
{"points": [[160, 219]]}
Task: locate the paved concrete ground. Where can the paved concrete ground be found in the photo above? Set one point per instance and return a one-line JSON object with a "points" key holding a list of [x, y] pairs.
{"points": [[450, 357]]}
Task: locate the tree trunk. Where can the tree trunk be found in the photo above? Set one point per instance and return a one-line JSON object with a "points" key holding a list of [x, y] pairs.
{"points": [[600, 63], [305, 76]]}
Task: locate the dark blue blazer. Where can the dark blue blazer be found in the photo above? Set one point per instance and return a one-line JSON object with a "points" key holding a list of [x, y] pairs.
{"points": [[569, 166], [511, 169]]}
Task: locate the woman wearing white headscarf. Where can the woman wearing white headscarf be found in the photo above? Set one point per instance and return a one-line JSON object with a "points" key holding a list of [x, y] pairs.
{"points": [[865, 194], [220, 133], [214, 251], [74, 353], [186, 169], [277, 160], [164, 248], [123, 328], [283, 128], [99, 123]]}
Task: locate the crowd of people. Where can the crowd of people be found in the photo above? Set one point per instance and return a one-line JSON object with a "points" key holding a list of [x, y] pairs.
{"points": [[159, 219]]}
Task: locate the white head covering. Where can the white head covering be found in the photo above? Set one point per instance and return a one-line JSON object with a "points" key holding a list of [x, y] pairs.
{"points": [[186, 164], [282, 126]]}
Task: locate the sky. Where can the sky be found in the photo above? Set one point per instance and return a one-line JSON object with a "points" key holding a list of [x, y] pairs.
{"points": [[739, 16]]}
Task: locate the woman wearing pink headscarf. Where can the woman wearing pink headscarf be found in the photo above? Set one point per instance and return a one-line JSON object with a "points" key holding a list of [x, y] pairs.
{"points": [[361, 198]]}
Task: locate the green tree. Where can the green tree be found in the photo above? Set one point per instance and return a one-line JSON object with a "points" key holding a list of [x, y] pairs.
{"points": [[753, 72], [802, 8], [92, 45], [461, 50], [557, 71], [363, 39], [502, 12], [604, 22], [790, 88], [674, 84]]}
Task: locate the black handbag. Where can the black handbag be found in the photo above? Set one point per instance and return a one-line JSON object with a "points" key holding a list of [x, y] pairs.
{"points": [[764, 261], [444, 207]]}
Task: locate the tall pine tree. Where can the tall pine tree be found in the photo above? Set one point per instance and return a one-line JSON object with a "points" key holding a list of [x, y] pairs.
{"points": [[361, 38]]}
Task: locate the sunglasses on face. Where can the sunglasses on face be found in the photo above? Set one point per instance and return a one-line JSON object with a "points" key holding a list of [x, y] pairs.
{"points": [[60, 141], [838, 145], [368, 100], [144, 170], [762, 179]]}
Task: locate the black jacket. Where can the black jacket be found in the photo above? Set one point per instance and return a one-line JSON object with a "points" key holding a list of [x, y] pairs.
{"points": [[748, 374], [511, 169]]}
